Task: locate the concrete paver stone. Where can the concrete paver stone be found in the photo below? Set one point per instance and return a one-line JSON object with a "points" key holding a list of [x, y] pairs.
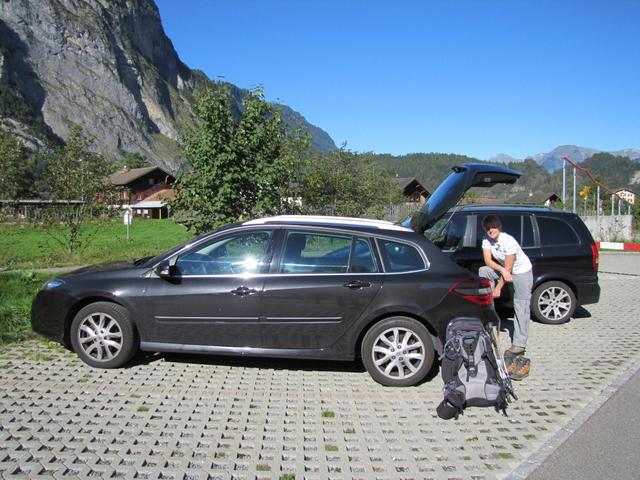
{"points": [[186, 417]]}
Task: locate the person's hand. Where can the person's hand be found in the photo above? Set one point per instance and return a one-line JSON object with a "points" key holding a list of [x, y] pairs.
{"points": [[506, 274], [496, 293]]}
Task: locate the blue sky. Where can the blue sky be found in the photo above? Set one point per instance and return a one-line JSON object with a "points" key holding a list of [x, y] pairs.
{"points": [[474, 77]]}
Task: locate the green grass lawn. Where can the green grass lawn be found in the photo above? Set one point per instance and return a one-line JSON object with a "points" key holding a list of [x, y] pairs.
{"points": [[26, 247], [17, 290]]}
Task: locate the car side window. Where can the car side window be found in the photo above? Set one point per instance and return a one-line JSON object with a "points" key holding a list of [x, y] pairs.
{"points": [[511, 224], [400, 257], [362, 260], [310, 252], [239, 253], [554, 231]]}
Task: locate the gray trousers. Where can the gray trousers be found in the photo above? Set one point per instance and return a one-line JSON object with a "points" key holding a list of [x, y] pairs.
{"points": [[522, 283]]}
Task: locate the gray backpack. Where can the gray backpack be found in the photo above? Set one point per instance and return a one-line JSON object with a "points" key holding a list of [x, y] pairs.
{"points": [[472, 375]]}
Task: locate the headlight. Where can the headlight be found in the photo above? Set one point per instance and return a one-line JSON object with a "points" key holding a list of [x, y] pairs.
{"points": [[53, 283]]}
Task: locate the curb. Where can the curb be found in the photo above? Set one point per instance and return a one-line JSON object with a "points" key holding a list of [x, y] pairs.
{"points": [[633, 247]]}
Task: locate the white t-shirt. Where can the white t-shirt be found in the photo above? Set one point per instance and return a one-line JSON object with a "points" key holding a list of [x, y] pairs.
{"points": [[507, 245]]}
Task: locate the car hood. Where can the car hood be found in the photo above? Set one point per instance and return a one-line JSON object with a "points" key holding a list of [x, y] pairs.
{"points": [[451, 190], [104, 267]]}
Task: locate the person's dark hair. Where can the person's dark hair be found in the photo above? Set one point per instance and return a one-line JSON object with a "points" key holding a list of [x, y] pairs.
{"points": [[491, 221]]}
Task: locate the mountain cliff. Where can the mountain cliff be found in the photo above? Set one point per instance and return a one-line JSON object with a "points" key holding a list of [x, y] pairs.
{"points": [[107, 66]]}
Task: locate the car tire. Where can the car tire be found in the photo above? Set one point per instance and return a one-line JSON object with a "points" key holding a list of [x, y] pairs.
{"points": [[102, 335], [395, 367], [553, 303]]}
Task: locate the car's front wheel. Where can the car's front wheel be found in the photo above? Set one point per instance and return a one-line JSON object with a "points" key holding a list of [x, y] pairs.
{"points": [[398, 351], [553, 302], [103, 336]]}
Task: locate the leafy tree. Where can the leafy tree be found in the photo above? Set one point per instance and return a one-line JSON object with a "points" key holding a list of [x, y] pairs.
{"points": [[12, 159], [77, 184], [343, 183], [239, 169]]}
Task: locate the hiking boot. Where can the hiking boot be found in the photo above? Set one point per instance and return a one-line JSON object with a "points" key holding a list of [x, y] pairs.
{"points": [[510, 361], [521, 367]]}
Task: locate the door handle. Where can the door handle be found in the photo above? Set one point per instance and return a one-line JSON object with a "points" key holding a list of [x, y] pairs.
{"points": [[243, 291], [357, 285]]}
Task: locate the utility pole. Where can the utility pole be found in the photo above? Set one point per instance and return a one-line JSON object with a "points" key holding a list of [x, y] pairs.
{"points": [[564, 185], [574, 190]]}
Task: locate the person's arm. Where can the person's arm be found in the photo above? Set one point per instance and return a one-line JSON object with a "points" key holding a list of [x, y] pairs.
{"points": [[490, 262], [509, 260]]}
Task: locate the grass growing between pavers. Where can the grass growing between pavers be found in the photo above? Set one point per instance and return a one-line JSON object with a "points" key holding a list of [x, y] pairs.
{"points": [[25, 246], [17, 291]]}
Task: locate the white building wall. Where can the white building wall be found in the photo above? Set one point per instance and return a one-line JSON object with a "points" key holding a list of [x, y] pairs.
{"points": [[610, 228]]}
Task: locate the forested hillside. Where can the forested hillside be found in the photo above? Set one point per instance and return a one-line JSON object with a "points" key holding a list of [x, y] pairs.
{"points": [[431, 168]]}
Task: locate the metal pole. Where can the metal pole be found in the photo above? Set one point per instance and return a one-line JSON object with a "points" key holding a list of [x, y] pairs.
{"points": [[574, 190], [613, 205], [564, 185], [598, 201]]}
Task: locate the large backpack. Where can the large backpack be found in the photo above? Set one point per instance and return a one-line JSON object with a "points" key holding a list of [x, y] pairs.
{"points": [[473, 376]]}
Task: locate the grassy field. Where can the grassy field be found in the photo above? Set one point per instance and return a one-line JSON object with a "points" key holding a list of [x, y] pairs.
{"points": [[27, 247], [17, 290]]}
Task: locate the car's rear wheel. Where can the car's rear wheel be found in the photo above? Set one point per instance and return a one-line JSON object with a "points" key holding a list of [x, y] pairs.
{"points": [[103, 336], [398, 352], [553, 302]]}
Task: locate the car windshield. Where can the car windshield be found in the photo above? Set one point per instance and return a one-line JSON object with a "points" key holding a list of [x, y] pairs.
{"points": [[151, 261]]}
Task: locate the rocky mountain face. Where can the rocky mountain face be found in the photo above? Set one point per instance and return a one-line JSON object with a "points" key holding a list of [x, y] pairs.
{"points": [[552, 161], [107, 66]]}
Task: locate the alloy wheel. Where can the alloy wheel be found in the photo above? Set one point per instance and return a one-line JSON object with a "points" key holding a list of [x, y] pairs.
{"points": [[398, 353], [554, 303], [100, 337]]}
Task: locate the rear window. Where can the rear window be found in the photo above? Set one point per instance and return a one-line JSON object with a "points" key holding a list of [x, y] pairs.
{"points": [[448, 232], [400, 257], [554, 231]]}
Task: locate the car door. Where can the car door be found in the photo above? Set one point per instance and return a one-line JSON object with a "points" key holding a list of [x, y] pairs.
{"points": [[564, 255], [212, 299], [321, 284]]}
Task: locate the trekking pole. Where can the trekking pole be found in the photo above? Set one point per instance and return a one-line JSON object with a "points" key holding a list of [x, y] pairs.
{"points": [[502, 368]]}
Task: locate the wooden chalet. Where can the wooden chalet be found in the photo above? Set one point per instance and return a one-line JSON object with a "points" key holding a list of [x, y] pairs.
{"points": [[145, 190]]}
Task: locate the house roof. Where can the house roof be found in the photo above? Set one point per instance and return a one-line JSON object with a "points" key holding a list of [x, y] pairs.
{"points": [[126, 176], [624, 189], [162, 195], [405, 182], [148, 204]]}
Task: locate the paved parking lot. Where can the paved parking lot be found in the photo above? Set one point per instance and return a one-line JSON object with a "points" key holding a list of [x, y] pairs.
{"points": [[198, 417]]}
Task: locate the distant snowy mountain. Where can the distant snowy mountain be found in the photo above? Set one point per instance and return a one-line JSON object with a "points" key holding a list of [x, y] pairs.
{"points": [[504, 158], [552, 160]]}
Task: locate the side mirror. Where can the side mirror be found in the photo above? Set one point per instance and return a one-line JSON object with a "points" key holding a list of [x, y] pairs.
{"points": [[167, 269]]}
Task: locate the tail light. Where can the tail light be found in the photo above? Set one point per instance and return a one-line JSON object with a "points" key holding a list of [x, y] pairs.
{"points": [[474, 291], [595, 257]]}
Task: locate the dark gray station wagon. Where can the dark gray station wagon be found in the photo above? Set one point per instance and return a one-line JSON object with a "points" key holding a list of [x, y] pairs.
{"points": [[302, 287]]}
